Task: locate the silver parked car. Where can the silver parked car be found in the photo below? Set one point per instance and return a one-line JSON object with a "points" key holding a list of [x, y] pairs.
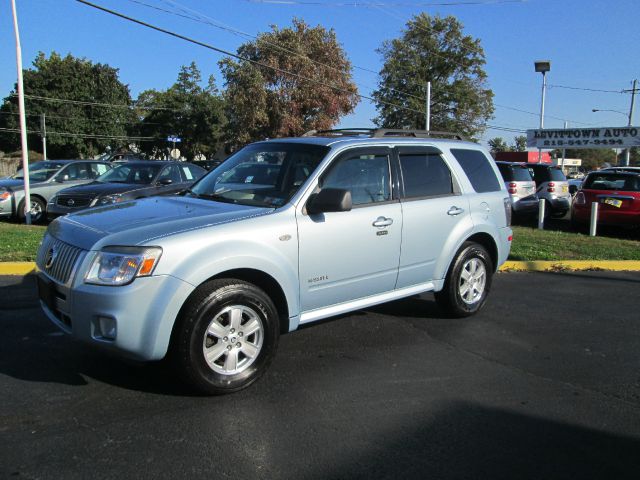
{"points": [[46, 178], [284, 233], [521, 187], [552, 185]]}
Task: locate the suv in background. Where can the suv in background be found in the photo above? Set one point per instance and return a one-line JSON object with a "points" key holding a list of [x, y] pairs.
{"points": [[521, 187], [343, 220], [552, 185]]}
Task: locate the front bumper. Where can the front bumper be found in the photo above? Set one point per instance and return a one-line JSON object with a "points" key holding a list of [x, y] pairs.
{"points": [[142, 312]]}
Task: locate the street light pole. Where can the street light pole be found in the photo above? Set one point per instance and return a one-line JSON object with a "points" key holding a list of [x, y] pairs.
{"points": [[23, 120], [627, 155], [542, 66]]}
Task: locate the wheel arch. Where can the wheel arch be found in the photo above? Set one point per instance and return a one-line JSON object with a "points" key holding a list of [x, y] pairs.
{"points": [[260, 279], [488, 242]]}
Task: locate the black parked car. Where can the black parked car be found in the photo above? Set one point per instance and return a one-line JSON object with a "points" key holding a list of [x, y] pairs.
{"points": [[126, 181]]}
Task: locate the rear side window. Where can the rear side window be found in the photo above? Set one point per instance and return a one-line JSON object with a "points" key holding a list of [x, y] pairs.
{"points": [[478, 169], [425, 175]]}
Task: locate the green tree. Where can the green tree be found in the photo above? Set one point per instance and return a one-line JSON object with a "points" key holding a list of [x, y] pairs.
{"points": [[186, 109], [73, 129], [497, 144], [308, 86], [519, 144], [434, 49]]}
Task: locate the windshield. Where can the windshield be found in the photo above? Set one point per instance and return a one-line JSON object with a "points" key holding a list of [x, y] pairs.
{"points": [[262, 174], [40, 171], [131, 173]]}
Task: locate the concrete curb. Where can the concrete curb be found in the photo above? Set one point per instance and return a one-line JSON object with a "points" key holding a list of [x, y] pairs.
{"points": [[24, 268], [570, 265]]}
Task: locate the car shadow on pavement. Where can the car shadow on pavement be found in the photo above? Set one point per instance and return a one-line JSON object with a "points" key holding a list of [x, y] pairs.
{"points": [[33, 349], [466, 440]]}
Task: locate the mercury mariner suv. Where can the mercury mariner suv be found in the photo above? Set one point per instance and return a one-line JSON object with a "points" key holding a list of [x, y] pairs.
{"points": [[284, 233]]}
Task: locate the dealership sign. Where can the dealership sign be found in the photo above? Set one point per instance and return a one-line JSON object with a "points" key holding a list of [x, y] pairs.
{"points": [[603, 137]]}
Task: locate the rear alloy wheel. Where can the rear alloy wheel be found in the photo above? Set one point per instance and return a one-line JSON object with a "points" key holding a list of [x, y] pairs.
{"points": [[467, 283], [37, 210], [227, 336]]}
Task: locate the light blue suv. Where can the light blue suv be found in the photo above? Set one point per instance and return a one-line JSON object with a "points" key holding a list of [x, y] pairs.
{"points": [[284, 233]]}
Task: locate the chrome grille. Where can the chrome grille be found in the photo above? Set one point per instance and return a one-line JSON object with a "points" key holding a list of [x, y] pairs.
{"points": [[57, 258], [73, 201]]}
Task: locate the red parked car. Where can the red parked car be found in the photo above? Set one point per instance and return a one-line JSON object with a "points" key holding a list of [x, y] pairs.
{"points": [[618, 197]]}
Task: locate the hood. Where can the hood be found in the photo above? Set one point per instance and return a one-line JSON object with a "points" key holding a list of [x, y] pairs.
{"points": [[99, 189], [145, 220], [11, 184]]}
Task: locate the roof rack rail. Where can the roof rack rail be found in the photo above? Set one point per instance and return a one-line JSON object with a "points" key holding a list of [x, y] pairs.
{"points": [[381, 133]]}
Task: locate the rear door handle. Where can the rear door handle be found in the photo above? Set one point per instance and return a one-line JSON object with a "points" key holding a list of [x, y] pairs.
{"points": [[455, 211], [382, 222]]}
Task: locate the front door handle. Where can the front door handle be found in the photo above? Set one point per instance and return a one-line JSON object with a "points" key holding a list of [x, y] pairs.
{"points": [[455, 211], [382, 222]]}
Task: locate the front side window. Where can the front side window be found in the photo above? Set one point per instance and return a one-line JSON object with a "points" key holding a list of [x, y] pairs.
{"points": [[478, 169], [261, 174], [131, 173], [425, 175], [366, 176]]}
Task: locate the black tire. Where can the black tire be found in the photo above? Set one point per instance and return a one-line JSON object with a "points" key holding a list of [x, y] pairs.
{"points": [[211, 306], [39, 208], [450, 298]]}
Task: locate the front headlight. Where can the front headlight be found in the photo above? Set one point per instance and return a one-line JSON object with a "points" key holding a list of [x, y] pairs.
{"points": [[121, 265], [53, 200], [109, 199]]}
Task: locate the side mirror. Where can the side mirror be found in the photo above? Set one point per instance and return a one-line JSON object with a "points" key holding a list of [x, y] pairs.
{"points": [[62, 178], [329, 200], [166, 181]]}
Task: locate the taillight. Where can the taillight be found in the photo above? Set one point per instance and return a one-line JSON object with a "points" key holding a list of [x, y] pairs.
{"points": [[551, 187], [512, 188], [507, 210], [579, 199]]}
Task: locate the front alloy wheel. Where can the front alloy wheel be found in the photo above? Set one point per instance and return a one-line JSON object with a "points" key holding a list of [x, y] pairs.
{"points": [[233, 340]]}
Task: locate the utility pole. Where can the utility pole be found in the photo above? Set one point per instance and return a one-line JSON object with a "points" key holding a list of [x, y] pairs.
{"points": [[43, 134], [627, 155], [23, 120], [427, 118]]}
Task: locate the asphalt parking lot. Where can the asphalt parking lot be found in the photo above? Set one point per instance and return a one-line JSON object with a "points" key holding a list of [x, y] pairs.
{"points": [[544, 383]]}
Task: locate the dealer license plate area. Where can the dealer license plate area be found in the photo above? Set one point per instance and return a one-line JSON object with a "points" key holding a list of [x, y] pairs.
{"points": [[614, 202]]}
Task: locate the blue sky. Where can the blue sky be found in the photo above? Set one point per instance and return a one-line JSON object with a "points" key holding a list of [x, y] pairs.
{"points": [[592, 44]]}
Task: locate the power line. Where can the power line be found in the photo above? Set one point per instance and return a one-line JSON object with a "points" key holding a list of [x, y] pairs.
{"points": [[209, 21], [390, 4], [96, 104], [239, 57], [585, 89], [84, 135], [92, 120]]}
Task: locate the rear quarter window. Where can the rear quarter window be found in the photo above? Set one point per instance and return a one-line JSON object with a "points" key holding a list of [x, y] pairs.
{"points": [[478, 169]]}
